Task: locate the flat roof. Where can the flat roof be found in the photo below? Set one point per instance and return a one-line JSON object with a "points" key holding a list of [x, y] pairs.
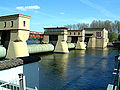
{"points": [[56, 28], [94, 28], [74, 30], [15, 15]]}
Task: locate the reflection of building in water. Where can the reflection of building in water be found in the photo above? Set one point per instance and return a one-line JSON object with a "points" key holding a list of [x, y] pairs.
{"points": [[58, 61], [105, 52], [61, 62], [100, 51], [79, 54]]}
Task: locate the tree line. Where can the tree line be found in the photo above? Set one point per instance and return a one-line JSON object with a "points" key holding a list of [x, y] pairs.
{"points": [[113, 27]]}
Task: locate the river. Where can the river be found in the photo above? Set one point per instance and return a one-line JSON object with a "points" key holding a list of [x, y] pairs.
{"points": [[89, 69]]}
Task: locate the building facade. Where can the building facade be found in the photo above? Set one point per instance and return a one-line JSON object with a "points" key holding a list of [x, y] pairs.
{"points": [[96, 37], [14, 31], [93, 37]]}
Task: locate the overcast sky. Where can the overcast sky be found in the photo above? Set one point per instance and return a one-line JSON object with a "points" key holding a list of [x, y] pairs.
{"points": [[50, 13]]}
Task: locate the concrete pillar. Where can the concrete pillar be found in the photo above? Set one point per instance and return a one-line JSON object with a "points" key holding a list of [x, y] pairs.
{"points": [[46, 39], [17, 45], [80, 43], [69, 39], [93, 42], [61, 46]]}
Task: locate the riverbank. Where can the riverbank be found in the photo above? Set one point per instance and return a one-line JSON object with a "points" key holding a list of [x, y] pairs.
{"points": [[10, 63]]}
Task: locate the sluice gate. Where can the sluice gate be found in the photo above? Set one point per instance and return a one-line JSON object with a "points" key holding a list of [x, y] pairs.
{"points": [[36, 48], [53, 39], [2, 51], [40, 48], [71, 45]]}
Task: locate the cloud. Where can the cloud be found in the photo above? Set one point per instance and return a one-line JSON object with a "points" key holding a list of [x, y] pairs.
{"points": [[62, 13], [24, 8], [99, 8]]}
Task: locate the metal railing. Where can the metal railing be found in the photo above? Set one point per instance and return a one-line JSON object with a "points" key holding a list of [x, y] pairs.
{"points": [[12, 85], [116, 73]]}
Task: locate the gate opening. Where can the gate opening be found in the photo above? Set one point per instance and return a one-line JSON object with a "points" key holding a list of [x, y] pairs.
{"points": [[74, 39], [53, 39]]}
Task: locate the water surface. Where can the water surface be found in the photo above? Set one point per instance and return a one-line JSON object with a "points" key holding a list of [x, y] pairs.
{"points": [[89, 69]]}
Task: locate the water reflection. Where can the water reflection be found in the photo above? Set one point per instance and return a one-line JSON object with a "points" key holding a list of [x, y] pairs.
{"points": [[77, 70], [60, 62], [97, 51]]}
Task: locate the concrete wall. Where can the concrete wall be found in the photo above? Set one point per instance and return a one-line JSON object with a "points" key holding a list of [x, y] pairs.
{"points": [[99, 37], [61, 45], [20, 23], [8, 23], [19, 26], [17, 22]]}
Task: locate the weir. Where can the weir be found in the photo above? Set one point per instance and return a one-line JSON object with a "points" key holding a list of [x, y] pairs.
{"points": [[58, 37], [14, 31], [2, 51], [77, 36], [40, 48]]}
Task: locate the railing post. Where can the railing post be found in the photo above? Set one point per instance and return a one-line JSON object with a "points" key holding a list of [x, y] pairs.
{"points": [[22, 82], [116, 59], [118, 86]]}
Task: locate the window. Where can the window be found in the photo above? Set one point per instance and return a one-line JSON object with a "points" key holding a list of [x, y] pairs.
{"points": [[74, 33], [11, 23], [78, 33], [4, 24], [24, 23], [98, 34], [70, 33]]}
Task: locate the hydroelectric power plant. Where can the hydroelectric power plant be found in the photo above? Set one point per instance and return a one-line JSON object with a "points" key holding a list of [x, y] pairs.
{"points": [[79, 59]]}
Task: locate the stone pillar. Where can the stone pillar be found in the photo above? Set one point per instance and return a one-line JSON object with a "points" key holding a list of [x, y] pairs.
{"points": [[69, 39], [93, 42], [80, 43], [46, 39], [17, 45], [61, 46]]}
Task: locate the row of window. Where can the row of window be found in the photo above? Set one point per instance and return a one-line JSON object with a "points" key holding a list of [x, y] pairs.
{"points": [[75, 33], [98, 34], [12, 24]]}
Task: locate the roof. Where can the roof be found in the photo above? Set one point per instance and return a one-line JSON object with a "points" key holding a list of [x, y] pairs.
{"points": [[15, 15], [56, 28], [74, 30], [100, 28]]}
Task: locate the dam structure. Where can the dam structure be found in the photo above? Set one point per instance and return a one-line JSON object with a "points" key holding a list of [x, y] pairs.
{"points": [[14, 32], [62, 71], [60, 37], [64, 39]]}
